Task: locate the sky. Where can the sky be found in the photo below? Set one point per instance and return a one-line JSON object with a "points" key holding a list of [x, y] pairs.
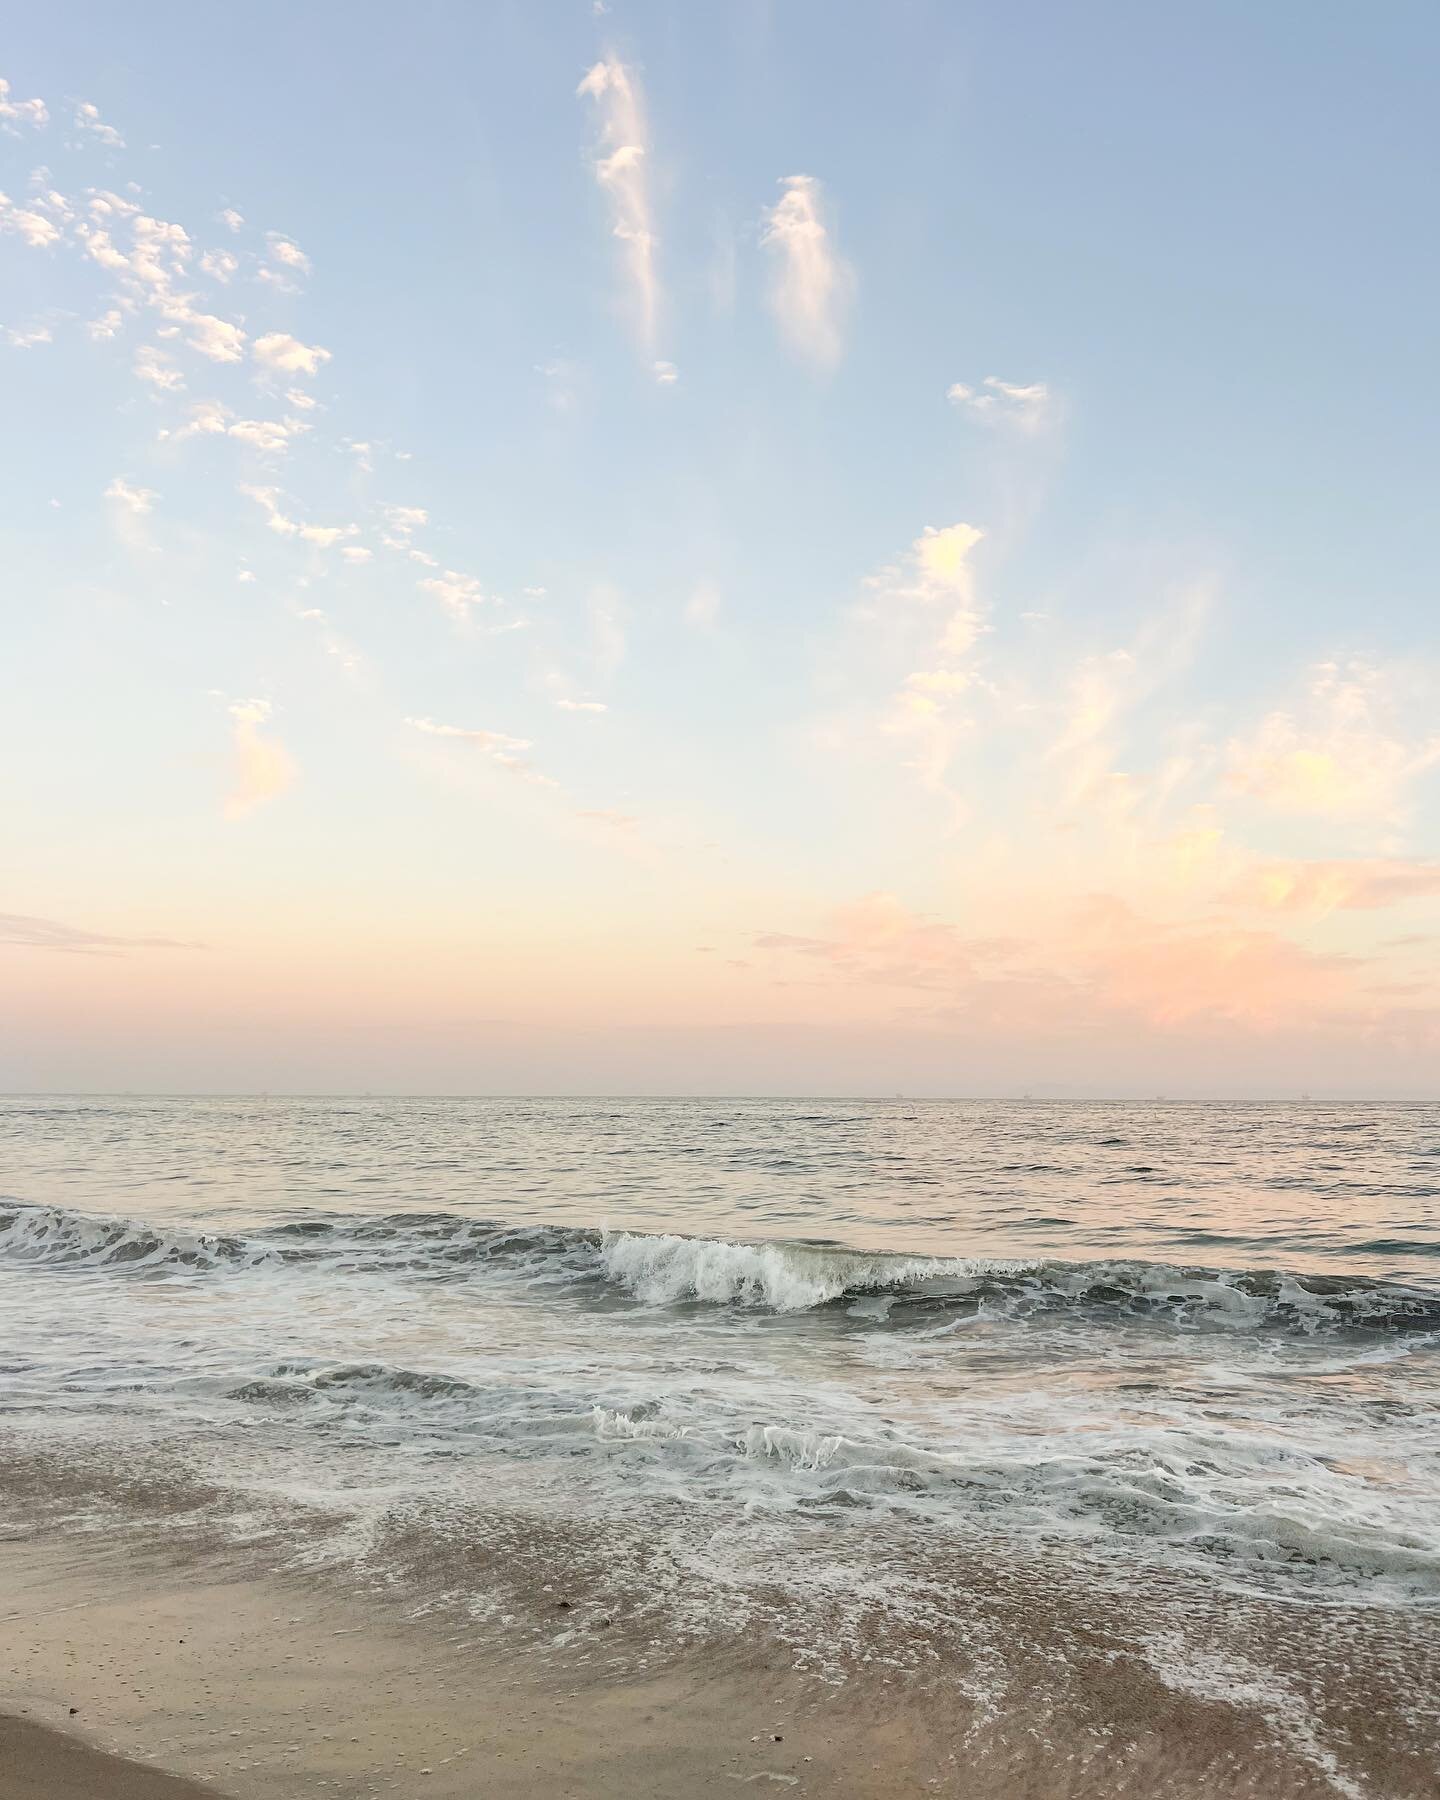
{"points": [[765, 548]]}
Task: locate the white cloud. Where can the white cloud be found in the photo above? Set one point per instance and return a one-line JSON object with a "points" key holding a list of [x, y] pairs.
{"points": [[812, 284], [457, 593], [589, 706], [216, 338], [101, 249], [277, 350], [207, 418], [322, 536], [37, 231], [269, 499], [106, 326], [326, 536], [271, 437], [153, 366], [104, 204], [356, 553], [620, 165], [666, 373], [220, 264], [87, 117], [137, 500], [401, 522], [20, 112], [28, 339], [283, 250], [231, 218], [1004, 402], [162, 252]]}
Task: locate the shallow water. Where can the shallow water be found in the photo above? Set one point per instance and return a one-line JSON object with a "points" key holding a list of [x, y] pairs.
{"points": [[1167, 1339]]}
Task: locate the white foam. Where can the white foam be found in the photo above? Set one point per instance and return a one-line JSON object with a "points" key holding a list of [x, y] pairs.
{"points": [[662, 1269]]}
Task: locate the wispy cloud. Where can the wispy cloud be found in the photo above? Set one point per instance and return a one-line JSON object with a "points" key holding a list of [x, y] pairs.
{"points": [[1347, 751], [281, 523], [488, 741], [812, 284], [262, 767], [621, 165], [1318, 888], [457, 593], [136, 500], [1028, 407], [155, 367], [49, 934], [499, 747], [88, 120], [1096, 960]]}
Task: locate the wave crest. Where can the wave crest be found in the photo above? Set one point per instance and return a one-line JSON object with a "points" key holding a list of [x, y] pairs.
{"points": [[877, 1288]]}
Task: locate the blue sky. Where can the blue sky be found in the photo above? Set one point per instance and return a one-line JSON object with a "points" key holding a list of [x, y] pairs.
{"points": [[655, 340]]}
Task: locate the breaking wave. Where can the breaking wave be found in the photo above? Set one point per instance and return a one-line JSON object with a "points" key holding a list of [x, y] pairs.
{"points": [[666, 1270]]}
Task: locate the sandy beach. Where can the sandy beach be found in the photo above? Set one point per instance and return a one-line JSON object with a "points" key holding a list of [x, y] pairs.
{"points": [[215, 1675]]}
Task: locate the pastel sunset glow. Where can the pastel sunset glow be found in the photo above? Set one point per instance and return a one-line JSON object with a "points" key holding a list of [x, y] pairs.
{"points": [[612, 549]]}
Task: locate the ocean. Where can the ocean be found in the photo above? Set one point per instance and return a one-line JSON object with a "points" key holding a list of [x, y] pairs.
{"points": [[872, 1380]]}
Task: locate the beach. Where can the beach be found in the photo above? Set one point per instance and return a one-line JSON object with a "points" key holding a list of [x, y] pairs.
{"points": [[355, 1448], [255, 1685]]}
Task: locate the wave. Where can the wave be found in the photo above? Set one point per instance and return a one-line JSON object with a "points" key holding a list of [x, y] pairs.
{"points": [[1253, 1510], [789, 1276]]}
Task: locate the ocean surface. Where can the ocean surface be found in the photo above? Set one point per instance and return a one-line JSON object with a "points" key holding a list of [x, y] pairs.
{"points": [[746, 1360]]}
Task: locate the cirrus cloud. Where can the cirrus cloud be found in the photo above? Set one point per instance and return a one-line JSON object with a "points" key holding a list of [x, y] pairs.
{"points": [[812, 284], [621, 167]]}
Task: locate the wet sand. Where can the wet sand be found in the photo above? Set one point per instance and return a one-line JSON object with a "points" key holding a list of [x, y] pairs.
{"points": [[38, 1764], [262, 1686]]}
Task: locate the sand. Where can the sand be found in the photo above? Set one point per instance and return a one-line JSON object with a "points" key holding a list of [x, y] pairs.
{"points": [[39, 1764], [260, 1686]]}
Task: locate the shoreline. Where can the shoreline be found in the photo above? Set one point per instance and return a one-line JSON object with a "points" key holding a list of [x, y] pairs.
{"points": [[42, 1762], [248, 1683]]}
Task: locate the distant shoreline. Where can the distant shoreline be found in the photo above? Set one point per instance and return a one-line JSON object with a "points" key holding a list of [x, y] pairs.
{"points": [[866, 1098]]}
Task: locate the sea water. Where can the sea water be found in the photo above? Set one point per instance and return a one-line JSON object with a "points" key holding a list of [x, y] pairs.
{"points": [[738, 1360]]}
